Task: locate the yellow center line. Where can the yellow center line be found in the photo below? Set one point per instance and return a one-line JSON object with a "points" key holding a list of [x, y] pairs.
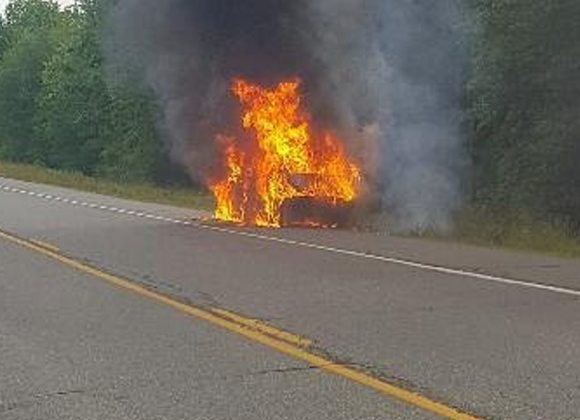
{"points": [[46, 245], [256, 331], [261, 326]]}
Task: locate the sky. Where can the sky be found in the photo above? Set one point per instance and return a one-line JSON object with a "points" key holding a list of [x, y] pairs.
{"points": [[3, 3]]}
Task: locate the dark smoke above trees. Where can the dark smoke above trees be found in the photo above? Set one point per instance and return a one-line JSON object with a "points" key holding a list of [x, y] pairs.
{"points": [[385, 76]]}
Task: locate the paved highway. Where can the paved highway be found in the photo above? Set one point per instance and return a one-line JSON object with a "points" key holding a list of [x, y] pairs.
{"points": [[111, 309]]}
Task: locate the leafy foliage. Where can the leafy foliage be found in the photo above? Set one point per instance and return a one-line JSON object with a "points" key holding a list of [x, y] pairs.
{"points": [[28, 45], [74, 105], [56, 108], [524, 103]]}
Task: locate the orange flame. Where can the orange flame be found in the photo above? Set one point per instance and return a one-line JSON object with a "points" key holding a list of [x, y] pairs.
{"points": [[280, 158]]}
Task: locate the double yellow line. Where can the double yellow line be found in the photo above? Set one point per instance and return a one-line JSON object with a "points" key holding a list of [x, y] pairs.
{"points": [[284, 342]]}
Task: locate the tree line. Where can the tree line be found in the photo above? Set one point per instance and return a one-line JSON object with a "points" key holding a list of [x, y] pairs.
{"points": [[56, 109], [522, 104], [524, 108]]}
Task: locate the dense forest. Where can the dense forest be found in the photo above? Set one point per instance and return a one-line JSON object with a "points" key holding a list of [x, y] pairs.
{"points": [[522, 105], [56, 108]]}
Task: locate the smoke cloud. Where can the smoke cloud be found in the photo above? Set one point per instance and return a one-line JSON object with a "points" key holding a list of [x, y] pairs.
{"points": [[385, 75]]}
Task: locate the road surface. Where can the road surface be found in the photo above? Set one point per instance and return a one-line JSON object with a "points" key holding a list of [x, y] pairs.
{"points": [[111, 309]]}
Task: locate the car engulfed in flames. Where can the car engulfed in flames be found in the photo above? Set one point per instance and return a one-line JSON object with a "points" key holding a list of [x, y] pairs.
{"points": [[281, 171]]}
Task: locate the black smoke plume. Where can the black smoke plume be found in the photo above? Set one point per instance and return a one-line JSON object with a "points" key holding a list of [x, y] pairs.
{"points": [[385, 75]]}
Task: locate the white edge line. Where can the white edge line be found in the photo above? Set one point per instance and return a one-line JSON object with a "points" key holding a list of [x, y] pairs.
{"points": [[406, 263], [358, 254]]}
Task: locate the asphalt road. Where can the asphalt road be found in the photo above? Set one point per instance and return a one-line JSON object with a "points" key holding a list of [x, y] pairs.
{"points": [[495, 334]]}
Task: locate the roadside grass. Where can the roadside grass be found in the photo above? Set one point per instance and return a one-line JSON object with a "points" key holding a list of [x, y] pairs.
{"points": [[539, 240], [179, 197], [479, 228], [472, 227], [525, 234]]}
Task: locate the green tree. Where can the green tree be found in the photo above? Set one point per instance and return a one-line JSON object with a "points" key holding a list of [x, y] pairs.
{"points": [[524, 104], [28, 43], [84, 124], [56, 107], [72, 120], [3, 36], [133, 151], [26, 16]]}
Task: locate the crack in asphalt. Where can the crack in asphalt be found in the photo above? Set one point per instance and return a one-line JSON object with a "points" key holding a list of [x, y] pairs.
{"points": [[39, 398], [42, 398], [199, 298], [298, 369]]}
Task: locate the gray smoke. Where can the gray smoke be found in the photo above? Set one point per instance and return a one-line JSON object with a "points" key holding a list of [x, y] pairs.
{"points": [[385, 75], [424, 44]]}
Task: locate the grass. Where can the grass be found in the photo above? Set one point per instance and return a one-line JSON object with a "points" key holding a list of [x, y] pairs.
{"points": [[525, 234], [492, 230], [472, 227], [179, 197]]}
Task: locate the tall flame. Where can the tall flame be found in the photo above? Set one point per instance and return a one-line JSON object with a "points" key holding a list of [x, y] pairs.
{"points": [[280, 157]]}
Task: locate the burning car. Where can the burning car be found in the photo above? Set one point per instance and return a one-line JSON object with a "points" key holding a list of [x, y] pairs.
{"points": [[282, 172]]}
